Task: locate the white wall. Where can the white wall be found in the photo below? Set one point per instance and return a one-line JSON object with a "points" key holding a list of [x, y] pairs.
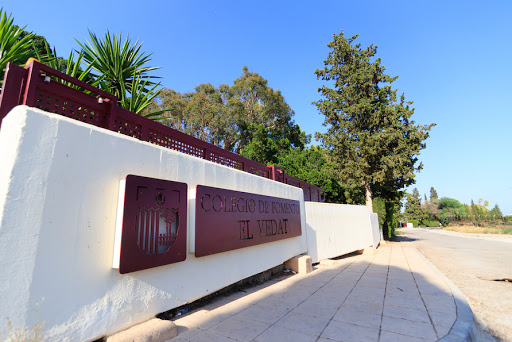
{"points": [[337, 229], [376, 231], [59, 183]]}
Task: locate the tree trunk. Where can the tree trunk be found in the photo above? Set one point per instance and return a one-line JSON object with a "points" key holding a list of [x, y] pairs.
{"points": [[368, 194]]}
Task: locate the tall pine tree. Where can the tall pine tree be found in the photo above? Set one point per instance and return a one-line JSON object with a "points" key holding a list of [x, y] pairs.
{"points": [[496, 212], [370, 138], [433, 194], [413, 209]]}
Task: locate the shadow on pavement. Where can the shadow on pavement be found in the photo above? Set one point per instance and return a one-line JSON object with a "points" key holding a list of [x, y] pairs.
{"points": [[403, 238], [390, 296]]}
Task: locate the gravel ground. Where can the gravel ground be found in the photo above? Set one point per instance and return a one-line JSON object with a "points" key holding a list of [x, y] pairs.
{"points": [[473, 262]]}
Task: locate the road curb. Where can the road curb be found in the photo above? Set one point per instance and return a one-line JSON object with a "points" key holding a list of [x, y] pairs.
{"points": [[154, 330], [465, 327]]}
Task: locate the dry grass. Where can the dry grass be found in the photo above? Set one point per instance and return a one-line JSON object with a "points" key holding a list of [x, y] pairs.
{"points": [[480, 230], [15, 334], [24, 335]]}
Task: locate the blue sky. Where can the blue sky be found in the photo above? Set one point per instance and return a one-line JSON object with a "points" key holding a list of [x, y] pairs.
{"points": [[453, 59]]}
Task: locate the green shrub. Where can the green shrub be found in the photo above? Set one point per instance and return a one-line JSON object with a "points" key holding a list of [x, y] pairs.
{"points": [[415, 223], [430, 223], [444, 220], [387, 217]]}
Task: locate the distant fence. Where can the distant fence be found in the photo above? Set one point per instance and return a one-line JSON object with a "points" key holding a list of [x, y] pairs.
{"points": [[37, 85]]}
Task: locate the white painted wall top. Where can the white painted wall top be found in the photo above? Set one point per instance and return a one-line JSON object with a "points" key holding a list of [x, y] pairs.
{"points": [[59, 185]]}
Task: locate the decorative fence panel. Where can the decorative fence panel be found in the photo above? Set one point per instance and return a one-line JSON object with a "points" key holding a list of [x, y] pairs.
{"points": [[40, 86]]}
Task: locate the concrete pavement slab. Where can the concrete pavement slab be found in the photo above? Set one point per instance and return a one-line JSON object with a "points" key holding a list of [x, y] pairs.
{"points": [[303, 323], [387, 336], [344, 332], [280, 334], [362, 318], [315, 309], [409, 328], [418, 315], [206, 336], [262, 313], [392, 295], [240, 328]]}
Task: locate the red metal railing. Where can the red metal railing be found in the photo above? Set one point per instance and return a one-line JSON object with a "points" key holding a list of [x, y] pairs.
{"points": [[37, 85]]}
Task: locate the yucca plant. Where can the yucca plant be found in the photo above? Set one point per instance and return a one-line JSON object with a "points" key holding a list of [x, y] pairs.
{"points": [[122, 71], [68, 66], [141, 97], [13, 47], [117, 63]]}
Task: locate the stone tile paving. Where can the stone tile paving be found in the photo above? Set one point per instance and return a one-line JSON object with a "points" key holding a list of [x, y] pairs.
{"points": [[392, 295]]}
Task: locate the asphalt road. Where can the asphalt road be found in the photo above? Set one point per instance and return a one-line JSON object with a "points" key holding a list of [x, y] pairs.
{"points": [[473, 262]]}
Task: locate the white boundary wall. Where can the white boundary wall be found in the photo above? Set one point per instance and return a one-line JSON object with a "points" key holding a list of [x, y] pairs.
{"points": [[376, 231], [337, 229], [59, 183]]}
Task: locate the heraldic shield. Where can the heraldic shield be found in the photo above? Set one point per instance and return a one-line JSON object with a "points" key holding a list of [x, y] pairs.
{"points": [[154, 227]]}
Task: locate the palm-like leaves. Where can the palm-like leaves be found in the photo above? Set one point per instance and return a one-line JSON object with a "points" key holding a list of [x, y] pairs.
{"points": [[117, 63], [13, 48], [120, 66], [68, 66], [141, 98], [122, 71]]}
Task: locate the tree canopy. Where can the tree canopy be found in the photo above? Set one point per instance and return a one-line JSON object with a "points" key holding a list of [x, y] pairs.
{"points": [[496, 212], [433, 194], [371, 139], [448, 208], [248, 117], [310, 165], [413, 209]]}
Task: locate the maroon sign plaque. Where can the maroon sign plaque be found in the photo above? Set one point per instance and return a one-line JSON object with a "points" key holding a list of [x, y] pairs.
{"points": [[154, 223], [228, 220]]}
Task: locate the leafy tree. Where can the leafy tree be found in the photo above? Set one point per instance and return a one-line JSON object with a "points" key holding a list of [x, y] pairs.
{"points": [[38, 42], [391, 202], [452, 205], [203, 109], [496, 212], [387, 213], [468, 211], [233, 117], [449, 208], [370, 137], [252, 101], [433, 194], [474, 209], [432, 206], [310, 164], [478, 210], [15, 44], [202, 113], [413, 209], [483, 203], [380, 209], [262, 148]]}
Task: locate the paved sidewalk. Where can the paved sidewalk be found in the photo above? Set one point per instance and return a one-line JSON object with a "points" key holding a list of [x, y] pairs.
{"points": [[393, 295]]}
